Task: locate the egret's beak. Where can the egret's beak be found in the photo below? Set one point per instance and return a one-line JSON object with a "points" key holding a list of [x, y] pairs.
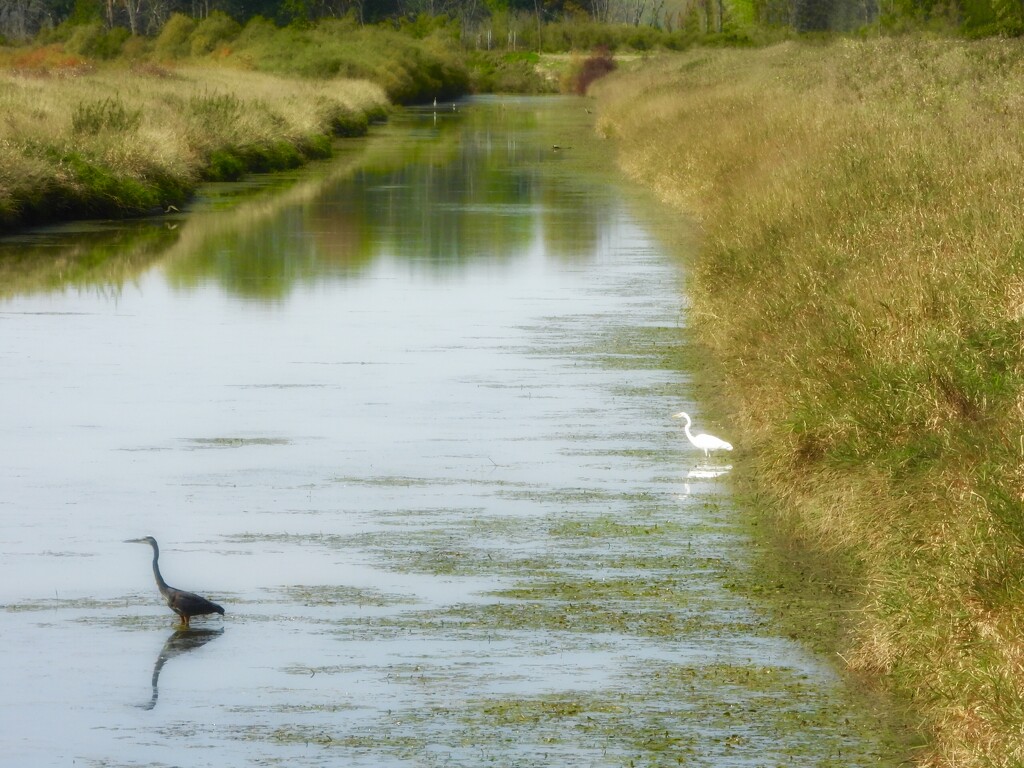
{"points": [[135, 541]]}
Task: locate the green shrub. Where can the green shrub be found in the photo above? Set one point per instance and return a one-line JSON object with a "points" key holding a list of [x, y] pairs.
{"points": [[173, 40], [110, 114], [492, 72], [211, 32], [348, 123], [256, 31], [94, 40], [410, 70], [317, 146], [215, 113], [80, 38], [110, 45], [223, 165]]}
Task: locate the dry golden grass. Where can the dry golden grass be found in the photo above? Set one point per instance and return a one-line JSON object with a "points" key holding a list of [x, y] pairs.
{"points": [[111, 141], [861, 282]]}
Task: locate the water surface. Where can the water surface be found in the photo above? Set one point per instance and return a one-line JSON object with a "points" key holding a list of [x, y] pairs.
{"points": [[406, 416]]}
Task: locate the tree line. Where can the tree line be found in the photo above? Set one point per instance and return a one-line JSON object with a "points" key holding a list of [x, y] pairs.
{"points": [[23, 20]]}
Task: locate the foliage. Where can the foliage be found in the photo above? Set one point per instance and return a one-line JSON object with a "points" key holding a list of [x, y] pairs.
{"points": [[409, 70], [545, 25], [861, 288], [95, 41], [214, 30], [174, 40], [500, 72], [109, 114], [69, 149]]}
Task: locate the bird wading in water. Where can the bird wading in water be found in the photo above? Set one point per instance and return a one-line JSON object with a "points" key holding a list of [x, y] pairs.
{"points": [[185, 604], [703, 441]]}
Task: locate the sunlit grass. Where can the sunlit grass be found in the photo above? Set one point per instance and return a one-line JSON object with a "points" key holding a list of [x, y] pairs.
{"points": [[108, 142], [861, 283]]}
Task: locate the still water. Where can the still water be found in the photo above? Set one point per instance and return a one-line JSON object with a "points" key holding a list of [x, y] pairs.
{"points": [[406, 415]]}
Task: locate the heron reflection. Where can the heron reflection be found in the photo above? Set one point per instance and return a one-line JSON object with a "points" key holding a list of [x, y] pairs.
{"points": [[181, 641]]}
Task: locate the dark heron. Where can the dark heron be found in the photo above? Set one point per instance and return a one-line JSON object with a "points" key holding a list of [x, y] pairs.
{"points": [[185, 604]]}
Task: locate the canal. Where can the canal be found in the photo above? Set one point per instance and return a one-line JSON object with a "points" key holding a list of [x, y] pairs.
{"points": [[407, 416]]}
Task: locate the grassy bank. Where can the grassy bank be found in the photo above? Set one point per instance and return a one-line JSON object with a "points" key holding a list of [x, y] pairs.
{"points": [[408, 69], [80, 142], [861, 286]]}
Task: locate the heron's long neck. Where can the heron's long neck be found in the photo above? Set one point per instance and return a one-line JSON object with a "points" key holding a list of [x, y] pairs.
{"points": [[156, 569]]}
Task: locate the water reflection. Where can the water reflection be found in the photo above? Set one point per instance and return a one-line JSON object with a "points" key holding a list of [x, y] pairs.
{"points": [[181, 641], [701, 473], [708, 473], [81, 255], [475, 186], [476, 191]]}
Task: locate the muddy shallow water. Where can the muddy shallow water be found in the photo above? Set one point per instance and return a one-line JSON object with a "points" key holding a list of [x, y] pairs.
{"points": [[407, 417]]}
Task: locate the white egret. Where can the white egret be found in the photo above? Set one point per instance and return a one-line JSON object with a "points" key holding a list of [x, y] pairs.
{"points": [[703, 441]]}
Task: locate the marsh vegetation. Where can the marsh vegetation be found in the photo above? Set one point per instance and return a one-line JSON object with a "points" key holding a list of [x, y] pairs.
{"points": [[111, 142], [860, 289]]}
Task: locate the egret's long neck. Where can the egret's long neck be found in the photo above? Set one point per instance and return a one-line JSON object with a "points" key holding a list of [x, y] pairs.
{"points": [[686, 429], [156, 568]]}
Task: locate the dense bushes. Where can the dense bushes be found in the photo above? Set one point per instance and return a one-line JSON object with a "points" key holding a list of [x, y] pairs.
{"points": [[409, 70]]}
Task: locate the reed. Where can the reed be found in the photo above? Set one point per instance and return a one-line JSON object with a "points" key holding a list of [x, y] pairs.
{"points": [[82, 141], [861, 287]]}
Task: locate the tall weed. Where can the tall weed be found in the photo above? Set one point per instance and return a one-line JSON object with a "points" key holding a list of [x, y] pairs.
{"points": [[109, 114]]}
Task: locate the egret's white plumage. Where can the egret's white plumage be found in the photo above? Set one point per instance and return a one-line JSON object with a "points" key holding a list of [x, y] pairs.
{"points": [[703, 441]]}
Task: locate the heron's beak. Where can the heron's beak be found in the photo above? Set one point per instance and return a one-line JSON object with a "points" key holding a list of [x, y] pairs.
{"points": [[135, 541]]}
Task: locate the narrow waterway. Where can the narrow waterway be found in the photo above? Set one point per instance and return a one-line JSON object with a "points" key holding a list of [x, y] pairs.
{"points": [[406, 416]]}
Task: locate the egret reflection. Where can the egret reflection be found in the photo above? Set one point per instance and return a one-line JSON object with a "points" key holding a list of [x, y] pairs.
{"points": [[701, 473], [708, 473]]}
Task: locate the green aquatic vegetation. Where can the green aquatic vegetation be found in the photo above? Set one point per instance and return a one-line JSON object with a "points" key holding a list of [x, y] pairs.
{"points": [[794, 720], [572, 497], [60, 604], [397, 481], [704, 618], [235, 442], [296, 709], [668, 590], [536, 710], [332, 595], [140, 622], [612, 527]]}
